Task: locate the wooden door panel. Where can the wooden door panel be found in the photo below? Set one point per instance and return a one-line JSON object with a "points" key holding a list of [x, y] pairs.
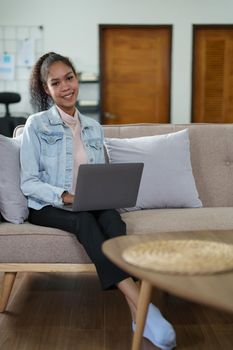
{"points": [[213, 75], [135, 74]]}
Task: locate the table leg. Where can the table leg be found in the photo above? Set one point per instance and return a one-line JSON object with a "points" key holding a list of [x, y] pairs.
{"points": [[8, 282], [143, 302]]}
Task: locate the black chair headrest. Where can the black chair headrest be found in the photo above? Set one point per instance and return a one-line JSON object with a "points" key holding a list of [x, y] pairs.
{"points": [[9, 97]]}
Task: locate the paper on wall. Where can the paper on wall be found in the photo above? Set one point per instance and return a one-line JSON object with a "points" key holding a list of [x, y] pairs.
{"points": [[26, 53], [7, 66]]}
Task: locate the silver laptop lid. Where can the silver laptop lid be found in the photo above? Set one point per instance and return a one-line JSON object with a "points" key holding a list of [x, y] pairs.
{"points": [[107, 186]]}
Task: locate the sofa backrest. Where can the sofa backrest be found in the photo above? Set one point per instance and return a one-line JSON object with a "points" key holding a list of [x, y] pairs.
{"points": [[211, 149]]}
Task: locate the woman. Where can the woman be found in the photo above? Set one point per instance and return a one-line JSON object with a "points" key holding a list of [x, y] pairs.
{"points": [[55, 142]]}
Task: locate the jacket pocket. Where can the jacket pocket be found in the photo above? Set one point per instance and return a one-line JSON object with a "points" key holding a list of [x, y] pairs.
{"points": [[95, 143], [51, 143]]}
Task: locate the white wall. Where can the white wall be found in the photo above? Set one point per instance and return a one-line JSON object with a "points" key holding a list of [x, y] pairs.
{"points": [[71, 28]]}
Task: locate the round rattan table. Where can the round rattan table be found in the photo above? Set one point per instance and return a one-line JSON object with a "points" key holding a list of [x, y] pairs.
{"points": [[197, 286]]}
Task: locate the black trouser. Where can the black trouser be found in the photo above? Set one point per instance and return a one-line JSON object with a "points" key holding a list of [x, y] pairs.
{"points": [[91, 229]]}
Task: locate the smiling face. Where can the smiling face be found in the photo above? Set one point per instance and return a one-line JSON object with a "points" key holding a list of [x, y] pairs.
{"points": [[62, 85]]}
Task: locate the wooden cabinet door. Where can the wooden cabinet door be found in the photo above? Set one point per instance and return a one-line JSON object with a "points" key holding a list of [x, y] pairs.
{"points": [[212, 100], [135, 68]]}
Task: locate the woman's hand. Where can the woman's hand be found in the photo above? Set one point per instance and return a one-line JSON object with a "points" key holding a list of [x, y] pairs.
{"points": [[67, 198]]}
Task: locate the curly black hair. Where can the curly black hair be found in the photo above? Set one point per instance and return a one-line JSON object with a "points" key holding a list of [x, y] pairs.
{"points": [[40, 100]]}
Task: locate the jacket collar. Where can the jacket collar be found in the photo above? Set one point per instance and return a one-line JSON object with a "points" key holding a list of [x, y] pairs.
{"points": [[54, 116], [55, 119], [86, 123]]}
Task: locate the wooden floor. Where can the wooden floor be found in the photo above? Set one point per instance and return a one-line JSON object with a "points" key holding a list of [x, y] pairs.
{"points": [[70, 312]]}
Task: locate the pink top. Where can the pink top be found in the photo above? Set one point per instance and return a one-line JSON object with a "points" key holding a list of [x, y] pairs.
{"points": [[79, 153]]}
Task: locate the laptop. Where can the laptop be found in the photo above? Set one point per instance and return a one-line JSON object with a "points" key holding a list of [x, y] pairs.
{"points": [[106, 186]]}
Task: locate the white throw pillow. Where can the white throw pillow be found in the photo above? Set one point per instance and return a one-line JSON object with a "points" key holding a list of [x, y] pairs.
{"points": [[13, 204], [167, 179]]}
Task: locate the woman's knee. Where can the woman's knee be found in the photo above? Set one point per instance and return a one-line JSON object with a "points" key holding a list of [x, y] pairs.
{"points": [[109, 214], [111, 223]]}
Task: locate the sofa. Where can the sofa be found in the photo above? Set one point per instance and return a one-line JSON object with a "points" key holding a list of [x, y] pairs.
{"points": [[29, 248]]}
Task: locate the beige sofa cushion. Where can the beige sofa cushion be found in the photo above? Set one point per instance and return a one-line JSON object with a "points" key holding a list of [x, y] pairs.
{"points": [[188, 219], [37, 244], [32, 243]]}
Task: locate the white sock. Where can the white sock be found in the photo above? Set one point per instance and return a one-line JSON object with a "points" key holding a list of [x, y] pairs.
{"points": [[158, 330]]}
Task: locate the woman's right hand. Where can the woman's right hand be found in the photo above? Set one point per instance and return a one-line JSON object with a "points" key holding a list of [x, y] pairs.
{"points": [[67, 198]]}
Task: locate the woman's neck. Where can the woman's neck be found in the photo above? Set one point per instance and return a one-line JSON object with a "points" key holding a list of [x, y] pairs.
{"points": [[67, 113], [70, 111]]}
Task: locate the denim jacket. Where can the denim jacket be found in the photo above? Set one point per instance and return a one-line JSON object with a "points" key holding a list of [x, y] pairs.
{"points": [[46, 155]]}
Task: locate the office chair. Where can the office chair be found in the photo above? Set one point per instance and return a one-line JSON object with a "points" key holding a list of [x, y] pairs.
{"points": [[8, 122], [7, 98]]}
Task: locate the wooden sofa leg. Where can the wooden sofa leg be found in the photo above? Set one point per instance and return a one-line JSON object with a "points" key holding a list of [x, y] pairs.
{"points": [[8, 282]]}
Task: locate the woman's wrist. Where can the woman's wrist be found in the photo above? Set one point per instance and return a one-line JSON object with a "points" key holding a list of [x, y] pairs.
{"points": [[67, 198]]}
